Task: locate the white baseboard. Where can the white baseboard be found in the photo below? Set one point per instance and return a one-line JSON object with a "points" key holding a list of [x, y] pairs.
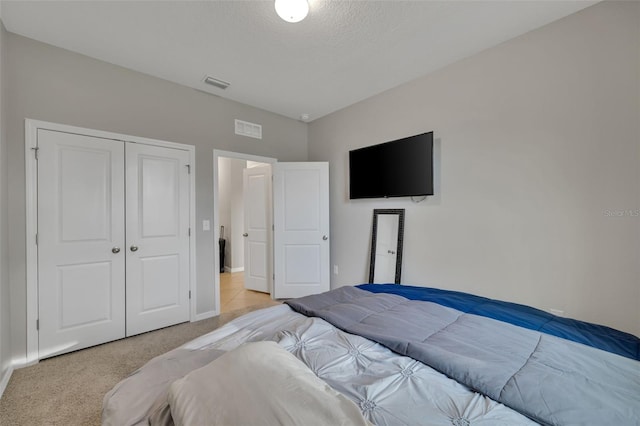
{"points": [[5, 380], [229, 269]]}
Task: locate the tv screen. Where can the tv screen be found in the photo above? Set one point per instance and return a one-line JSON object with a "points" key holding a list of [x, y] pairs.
{"points": [[400, 168]]}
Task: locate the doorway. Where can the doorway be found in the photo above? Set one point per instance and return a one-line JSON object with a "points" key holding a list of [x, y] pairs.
{"points": [[293, 259], [233, 294], [235, 254]]}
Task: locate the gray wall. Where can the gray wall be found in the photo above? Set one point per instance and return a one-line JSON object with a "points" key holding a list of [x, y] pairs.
{"points": [[224, 204], [538, 153], [5, 331], [231, 209], [52, 84], [236, 199]]}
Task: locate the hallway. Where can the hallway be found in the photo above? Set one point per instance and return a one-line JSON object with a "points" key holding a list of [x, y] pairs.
{"points": [[234, 296]]}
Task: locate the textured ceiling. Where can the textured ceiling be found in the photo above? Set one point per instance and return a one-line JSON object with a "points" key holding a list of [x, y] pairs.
{"points": [[343, 52]]}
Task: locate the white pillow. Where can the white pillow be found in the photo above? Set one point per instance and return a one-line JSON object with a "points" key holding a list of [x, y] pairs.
{"points": [[259, 384]]}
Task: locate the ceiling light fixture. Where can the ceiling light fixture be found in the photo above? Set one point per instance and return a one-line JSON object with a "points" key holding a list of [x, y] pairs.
{"points": [[292, 10]]}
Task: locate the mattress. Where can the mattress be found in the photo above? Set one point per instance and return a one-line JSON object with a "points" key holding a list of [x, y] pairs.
{"points": [[388, 388]]}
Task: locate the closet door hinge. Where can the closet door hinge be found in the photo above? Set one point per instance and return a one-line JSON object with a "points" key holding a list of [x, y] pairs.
{"points": [[189, 232], [35, 152], [188, 166], [36, 238], [189, 294], [38, 324]]}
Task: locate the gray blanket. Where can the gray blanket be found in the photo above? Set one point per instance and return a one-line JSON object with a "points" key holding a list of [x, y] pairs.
{"points": [[551, 380]]}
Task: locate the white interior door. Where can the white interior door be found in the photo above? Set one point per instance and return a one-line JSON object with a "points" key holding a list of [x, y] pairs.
{"points": [[256, 183], [301, 235], [81, 236], [157, 248], [386, 248]]}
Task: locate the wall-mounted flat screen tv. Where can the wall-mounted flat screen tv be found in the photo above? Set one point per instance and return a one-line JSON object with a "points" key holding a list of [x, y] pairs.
{"points": [[400, 168]]}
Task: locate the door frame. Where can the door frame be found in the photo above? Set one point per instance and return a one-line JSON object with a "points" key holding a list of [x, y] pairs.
{"points": [[216, 212], [31, 195]]}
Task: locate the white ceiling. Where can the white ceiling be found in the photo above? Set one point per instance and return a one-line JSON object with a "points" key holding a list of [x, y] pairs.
{"points": [[343, 52]]}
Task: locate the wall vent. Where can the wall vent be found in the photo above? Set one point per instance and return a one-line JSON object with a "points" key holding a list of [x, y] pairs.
{"points": [[220, 84], [251, 130]]}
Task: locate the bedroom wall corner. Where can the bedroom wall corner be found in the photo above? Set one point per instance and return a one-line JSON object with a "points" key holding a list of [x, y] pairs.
{"points": [[237, 214], [224, 205], [230, 206], [5, 330], [538, 182]]}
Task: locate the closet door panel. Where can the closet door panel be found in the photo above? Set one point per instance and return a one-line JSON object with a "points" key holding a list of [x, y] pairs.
{"points": [[81, 273], [157, 237]]}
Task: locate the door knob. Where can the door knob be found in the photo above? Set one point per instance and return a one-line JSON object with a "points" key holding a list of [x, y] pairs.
{"points": [[115, 250], [245, 235], [391, 252], [134, 248], [325, 238]]}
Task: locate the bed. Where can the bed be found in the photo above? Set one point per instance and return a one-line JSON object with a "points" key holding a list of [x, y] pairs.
{"points": [[390, 355]]}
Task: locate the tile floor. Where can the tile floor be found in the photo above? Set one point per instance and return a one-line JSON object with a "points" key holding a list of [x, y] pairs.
{"points": [[234, 296]]}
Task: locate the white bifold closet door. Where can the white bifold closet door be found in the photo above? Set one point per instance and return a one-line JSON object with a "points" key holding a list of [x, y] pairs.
{"points": [[81, 238], [113, 243], [157, 237]]}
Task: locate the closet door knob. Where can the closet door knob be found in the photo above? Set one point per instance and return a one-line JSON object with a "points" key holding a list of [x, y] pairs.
{"points": [[134, 248], [325, 238], [115, 250], [245, 235]]}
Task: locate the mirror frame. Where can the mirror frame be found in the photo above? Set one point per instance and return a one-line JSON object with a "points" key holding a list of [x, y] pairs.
{"points": [[374, 233]]}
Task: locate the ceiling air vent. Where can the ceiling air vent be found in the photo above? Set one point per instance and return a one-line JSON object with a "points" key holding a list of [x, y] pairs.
{"points": [[245, 128], [220, 84]]}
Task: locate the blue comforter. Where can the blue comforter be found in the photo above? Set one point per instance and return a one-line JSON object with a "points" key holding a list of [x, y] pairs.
{"points": [[552, 380], [597, 336]]}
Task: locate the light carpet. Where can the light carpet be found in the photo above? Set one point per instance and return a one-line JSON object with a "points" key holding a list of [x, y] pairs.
{"points": [[68, 389]]}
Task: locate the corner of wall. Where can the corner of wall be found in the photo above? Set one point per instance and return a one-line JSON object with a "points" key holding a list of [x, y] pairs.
{"points": [[5, 331]]}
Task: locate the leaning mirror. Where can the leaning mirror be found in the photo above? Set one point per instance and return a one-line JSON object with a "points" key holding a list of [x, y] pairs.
{"points": [[386, 246]]}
